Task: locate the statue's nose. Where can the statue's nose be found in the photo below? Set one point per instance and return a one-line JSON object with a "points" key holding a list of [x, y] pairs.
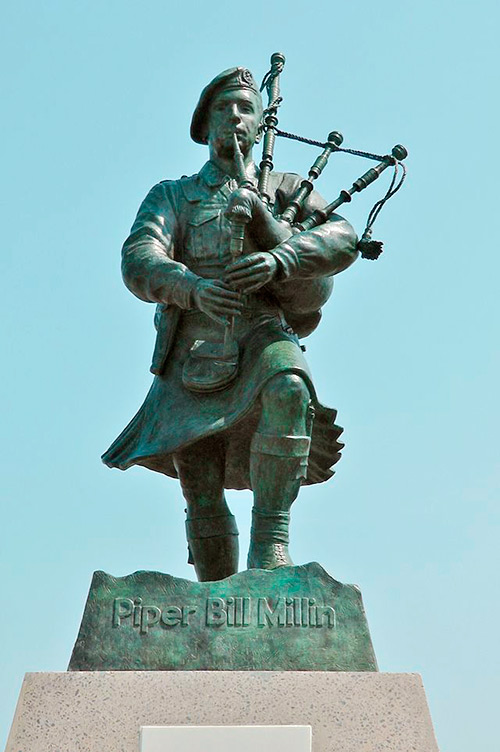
{"points": [[234, 114]]}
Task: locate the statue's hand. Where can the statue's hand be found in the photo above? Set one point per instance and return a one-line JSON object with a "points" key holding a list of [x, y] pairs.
{"points": [[242, 201], [266, 230], [217, 300], [251, 272]]}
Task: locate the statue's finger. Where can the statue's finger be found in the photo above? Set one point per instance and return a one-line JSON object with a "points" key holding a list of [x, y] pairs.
{"points": [[248, 273], [256, 279], [257, 262], [225, 293], [221, 285], [253, 286], [228, 310], [243, 262], [233, 299]]}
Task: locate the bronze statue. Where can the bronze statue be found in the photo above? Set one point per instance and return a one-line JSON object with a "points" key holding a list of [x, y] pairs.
{"points": [[233, 404]]}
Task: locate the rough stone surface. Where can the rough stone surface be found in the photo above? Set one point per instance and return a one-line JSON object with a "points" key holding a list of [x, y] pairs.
{"points": [[291, 618], [103, 711]]}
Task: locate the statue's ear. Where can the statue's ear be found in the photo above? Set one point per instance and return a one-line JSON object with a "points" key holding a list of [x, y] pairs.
{"points": [[259, 132]]}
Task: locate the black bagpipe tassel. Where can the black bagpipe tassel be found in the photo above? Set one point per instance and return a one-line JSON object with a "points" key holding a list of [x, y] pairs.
{"points": [[368, 248]]}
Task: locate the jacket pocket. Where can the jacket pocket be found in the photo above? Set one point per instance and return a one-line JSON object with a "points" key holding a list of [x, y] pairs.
{"points": [[203, 232]]}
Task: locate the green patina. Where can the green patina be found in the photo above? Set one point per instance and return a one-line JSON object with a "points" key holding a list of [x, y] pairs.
{"points": [[240, 260], [290, 618], [233, 404]]}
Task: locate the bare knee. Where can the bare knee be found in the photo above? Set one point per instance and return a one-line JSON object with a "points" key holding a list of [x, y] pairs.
{"points": [[286, 393]]}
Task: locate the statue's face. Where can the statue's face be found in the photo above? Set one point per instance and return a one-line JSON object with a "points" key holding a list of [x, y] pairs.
{"points": [[235, 111]]}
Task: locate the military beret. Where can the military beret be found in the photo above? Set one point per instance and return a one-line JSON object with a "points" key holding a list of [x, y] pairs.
{"points": [[232, 78]]}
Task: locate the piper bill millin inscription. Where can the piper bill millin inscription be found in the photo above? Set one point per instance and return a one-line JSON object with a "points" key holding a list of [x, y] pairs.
{"points": [[234, 611]]}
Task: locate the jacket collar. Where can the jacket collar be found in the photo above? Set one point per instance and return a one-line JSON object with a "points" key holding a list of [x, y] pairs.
{"points": [[213, 176]]}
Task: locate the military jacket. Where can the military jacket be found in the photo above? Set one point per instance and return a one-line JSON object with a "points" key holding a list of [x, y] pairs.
{"points": [[181, 234]]}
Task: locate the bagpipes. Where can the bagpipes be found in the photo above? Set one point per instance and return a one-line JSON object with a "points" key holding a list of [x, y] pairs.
{"points": [[368, 248], [301, 300], [212, 366]]}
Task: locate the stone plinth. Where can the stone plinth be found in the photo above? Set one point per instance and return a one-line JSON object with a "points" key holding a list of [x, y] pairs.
{"points": [[291, 618], [103, 711]]}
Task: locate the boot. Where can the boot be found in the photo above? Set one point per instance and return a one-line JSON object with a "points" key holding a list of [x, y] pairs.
{"points": [[213, 546], [278, 464]]}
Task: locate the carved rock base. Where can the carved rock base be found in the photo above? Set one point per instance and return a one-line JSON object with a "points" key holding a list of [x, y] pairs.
{"points": [[104, 711], [291, 618]]}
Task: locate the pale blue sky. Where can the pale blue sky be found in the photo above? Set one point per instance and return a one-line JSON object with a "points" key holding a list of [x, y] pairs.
{"points": [[96, 104]]}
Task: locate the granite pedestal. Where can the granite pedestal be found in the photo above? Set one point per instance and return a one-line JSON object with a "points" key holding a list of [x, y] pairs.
{"points": [[103, 711]]}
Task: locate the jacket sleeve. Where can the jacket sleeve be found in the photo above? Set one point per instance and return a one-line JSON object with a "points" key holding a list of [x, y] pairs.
{"points": [[149, 268], [325, 250]]}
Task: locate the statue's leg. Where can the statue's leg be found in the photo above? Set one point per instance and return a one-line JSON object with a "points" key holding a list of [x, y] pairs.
{"points": [[210, 527], [278, 464]]}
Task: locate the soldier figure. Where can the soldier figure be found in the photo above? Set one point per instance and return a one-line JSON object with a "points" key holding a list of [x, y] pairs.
{"points": [[243, 414]]}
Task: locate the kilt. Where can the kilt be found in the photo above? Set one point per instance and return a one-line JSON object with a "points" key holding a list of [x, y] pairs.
{"points": [[173, 417]]}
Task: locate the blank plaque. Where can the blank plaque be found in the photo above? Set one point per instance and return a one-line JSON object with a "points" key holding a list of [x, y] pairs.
{"points": [[217, 738]]}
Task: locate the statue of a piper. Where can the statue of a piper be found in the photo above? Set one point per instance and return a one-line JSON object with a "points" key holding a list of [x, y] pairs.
{"points": [[236, 285]]}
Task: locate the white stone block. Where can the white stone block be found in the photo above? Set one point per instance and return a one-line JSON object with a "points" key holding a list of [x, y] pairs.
{"points": [[217, 738], [103, 711]]}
